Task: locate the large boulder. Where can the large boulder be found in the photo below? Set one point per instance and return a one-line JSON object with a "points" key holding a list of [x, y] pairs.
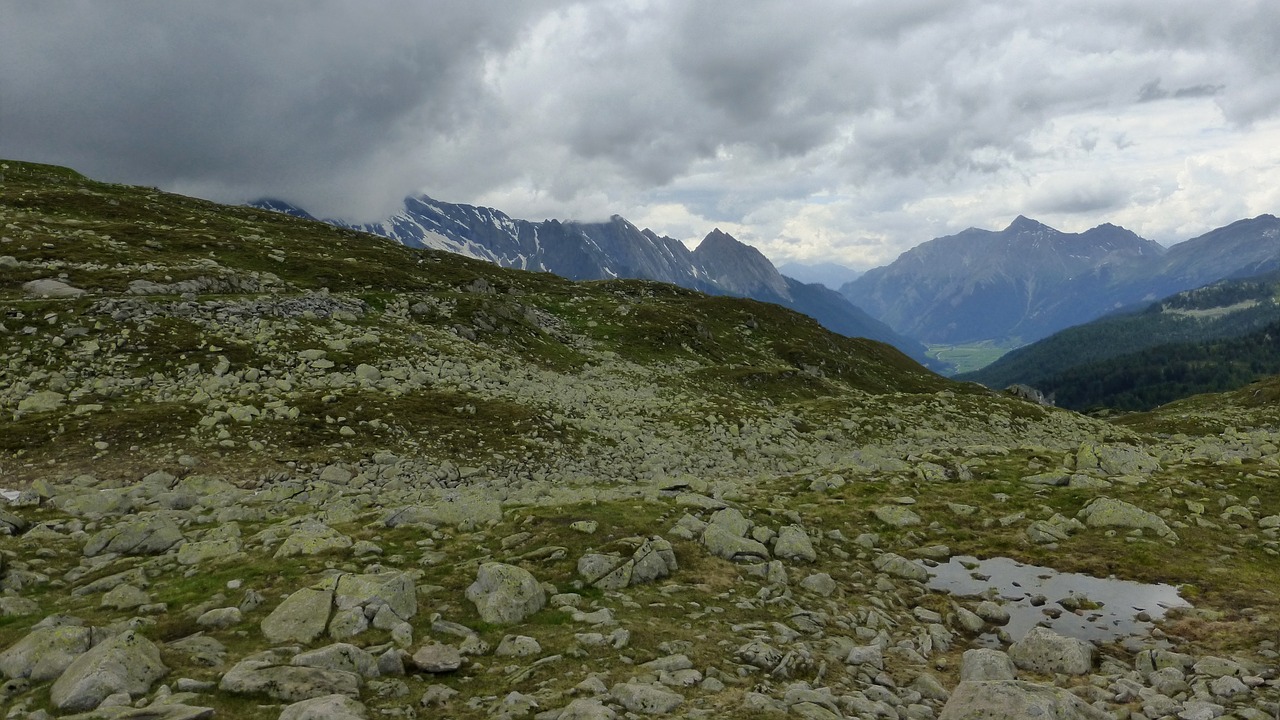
{"points": [[269, 674], [51, 288], [1115, 459], [1107, 512], [505, 594], [900, 567], [147, 534], [46, 652], [793, 544], [1045, 651], [461, 509], [396, 590], [312, 538], [39, 402], [645, 699], [302, 617], [984, 664], [127, 663], [195, 553], [896, 515], [1015, 700], [339, 656], [654, 559], [721, 541]]}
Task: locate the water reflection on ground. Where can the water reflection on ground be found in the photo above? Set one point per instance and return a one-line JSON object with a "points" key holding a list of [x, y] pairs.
{"points": [[1119, 603]]}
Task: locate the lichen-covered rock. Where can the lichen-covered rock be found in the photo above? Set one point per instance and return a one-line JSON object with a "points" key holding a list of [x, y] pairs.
{"points": [[722, 542], [437, 658], [51, 288], [505, 594], [900, 567], [654, 559], [587, 709], [312, 538], [1115, 459], [339, 656], [11, 524], [327, 707], [1044, 651], [1108, 512], [268, 674], [302, 617], [392, 589], [646, 699], [465, 510], [127, 663], [44, 653], [196, 553], [896, 515], [147, 534], [1015, 700], [40, 402], [793, 543], [986, 664], [518, 646]]}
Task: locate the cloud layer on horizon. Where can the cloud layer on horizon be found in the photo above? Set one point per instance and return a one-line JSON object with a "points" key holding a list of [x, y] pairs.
{"points": [[814, 130]]}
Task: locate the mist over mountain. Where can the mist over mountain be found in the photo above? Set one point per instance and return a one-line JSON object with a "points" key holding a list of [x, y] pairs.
{"points": [[831, 274]]}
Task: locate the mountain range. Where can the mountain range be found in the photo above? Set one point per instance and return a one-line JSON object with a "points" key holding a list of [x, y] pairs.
{"points": [[720, 265], [1029, 280]]}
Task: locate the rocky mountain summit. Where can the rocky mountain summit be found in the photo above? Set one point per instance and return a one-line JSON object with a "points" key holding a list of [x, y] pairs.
{"points": [[259, 467], [1025, 281]]}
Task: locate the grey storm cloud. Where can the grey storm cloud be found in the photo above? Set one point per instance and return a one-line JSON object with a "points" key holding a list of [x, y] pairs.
{"points": [[720, 106], [295, 97]]}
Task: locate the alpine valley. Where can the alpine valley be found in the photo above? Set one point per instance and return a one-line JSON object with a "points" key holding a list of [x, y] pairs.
{"points": [[258, 467]]}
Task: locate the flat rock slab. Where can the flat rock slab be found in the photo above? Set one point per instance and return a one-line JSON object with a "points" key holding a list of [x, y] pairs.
{"points": [[1044, 651], [437, 658], [44, 653], [327, 707], [1014, 700], [264, 675], [646, 699], [1107, 512], [896, 515], [302, 617], [149, 534]]}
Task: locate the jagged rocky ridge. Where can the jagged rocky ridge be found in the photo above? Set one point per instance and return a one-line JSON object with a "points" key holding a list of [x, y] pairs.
{"points": [[262, 468], [614, 249]]}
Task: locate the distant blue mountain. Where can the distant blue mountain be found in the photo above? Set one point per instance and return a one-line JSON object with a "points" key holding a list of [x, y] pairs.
{"points": [[1029, 280]]}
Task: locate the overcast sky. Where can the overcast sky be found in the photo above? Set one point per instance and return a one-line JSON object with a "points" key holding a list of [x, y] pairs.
{"points": [[840, 130]]}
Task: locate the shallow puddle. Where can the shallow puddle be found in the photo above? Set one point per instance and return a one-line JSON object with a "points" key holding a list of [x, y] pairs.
{"points": [[1119, 602]]}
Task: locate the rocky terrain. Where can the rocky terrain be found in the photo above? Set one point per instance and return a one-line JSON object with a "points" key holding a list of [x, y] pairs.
{"points": [[259, 467]]}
